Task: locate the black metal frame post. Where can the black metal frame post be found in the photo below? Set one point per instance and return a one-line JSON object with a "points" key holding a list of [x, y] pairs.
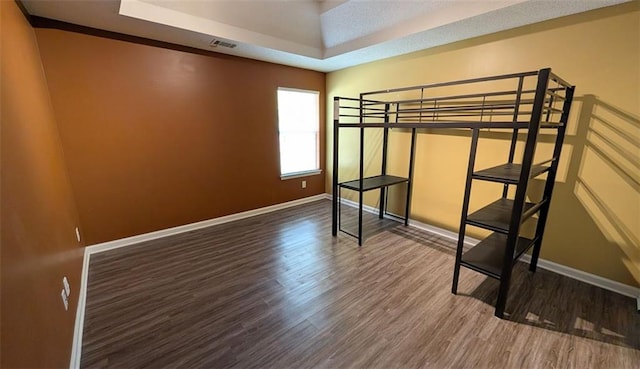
{"points": [[465, 208], [361, 176], [336, 129], [551, 178], [521, 190], [412, 155], [514, 135], [383, 171]]}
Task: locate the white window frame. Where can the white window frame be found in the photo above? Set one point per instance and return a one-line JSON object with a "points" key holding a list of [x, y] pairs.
{"points": [[303, 173]]}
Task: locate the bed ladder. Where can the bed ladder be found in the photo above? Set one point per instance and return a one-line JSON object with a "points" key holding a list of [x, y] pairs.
{"points": [[496, 255]]}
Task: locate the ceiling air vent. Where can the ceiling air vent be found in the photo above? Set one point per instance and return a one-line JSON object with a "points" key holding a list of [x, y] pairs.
{"points": [[222, 43]]}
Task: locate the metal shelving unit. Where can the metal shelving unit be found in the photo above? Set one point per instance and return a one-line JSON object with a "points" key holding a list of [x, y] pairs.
{"points": [[529, 101]]}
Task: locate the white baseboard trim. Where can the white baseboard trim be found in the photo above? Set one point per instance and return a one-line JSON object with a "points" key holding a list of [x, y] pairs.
{"points": [[367, 208], [592, 279], [469, 241], [76, 349], [110, 245]]}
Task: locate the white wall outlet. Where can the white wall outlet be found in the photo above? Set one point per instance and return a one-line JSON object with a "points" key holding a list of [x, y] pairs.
{"points": [[78, 234], [67, 288], [304, 184], [65, 299]]}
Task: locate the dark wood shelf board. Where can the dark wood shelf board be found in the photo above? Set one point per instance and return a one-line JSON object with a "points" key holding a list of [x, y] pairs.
{"points": [[508, 173], [488, 256], [496, 216], [371, 183]]}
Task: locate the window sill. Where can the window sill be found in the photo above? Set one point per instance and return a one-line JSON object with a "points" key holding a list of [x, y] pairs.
{"points": [[300, 174]]}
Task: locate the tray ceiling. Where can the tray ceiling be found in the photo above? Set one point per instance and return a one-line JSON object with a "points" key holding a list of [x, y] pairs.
{"points": [[323, 35]]}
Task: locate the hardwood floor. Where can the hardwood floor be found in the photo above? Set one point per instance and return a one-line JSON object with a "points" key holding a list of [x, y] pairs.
{"points": [[277, 291]]}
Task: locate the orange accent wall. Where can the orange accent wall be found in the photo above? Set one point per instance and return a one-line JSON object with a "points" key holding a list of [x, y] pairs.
{"points": [[156, 138], [39, 217]]}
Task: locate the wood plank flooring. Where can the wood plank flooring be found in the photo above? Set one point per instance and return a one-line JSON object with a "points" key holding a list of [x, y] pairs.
{"points": [[277, 291]]}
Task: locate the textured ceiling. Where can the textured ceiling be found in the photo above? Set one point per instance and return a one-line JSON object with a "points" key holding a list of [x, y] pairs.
{"points": [[352, 20], [322, 35]]}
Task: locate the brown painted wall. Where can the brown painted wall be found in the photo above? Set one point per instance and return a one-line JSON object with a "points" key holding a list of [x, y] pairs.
{"points": [[39, 246], [156, 138]]}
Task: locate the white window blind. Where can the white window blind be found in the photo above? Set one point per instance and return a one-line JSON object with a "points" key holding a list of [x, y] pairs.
{"points": [[299, 124]]}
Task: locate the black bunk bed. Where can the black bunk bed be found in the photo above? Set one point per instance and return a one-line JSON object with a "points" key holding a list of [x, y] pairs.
{"points": [[530, 101]]}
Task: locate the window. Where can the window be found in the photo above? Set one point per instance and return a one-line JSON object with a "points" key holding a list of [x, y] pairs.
{"points": [[298, 124]]}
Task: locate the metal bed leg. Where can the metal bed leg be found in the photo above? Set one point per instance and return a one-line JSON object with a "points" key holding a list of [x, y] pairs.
{"points": [[361, 195], [383, 203]]}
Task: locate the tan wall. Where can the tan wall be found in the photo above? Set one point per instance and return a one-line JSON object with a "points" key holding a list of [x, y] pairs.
{"points": [[594, 221], [39, 245], [156, 138]]}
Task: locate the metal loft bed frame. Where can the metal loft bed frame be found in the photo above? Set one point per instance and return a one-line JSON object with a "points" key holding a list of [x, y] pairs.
{"points": [[528, 101]]}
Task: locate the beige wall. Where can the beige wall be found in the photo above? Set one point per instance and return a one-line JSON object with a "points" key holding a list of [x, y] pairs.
{"points": [[39, 216], [594, 221]]}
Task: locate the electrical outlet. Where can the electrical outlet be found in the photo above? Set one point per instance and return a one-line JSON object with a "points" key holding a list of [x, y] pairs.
{"points": [[304, 184], [65, 299], [67, 288], [78, 234]]}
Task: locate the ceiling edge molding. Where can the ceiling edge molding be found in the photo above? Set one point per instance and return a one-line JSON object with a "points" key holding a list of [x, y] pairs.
{"points": [[157, 14]]}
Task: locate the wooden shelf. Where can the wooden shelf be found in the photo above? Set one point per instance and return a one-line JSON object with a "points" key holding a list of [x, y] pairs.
{"points": [[508, 173], [371, 183], [488, 255], [497, 215]]}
